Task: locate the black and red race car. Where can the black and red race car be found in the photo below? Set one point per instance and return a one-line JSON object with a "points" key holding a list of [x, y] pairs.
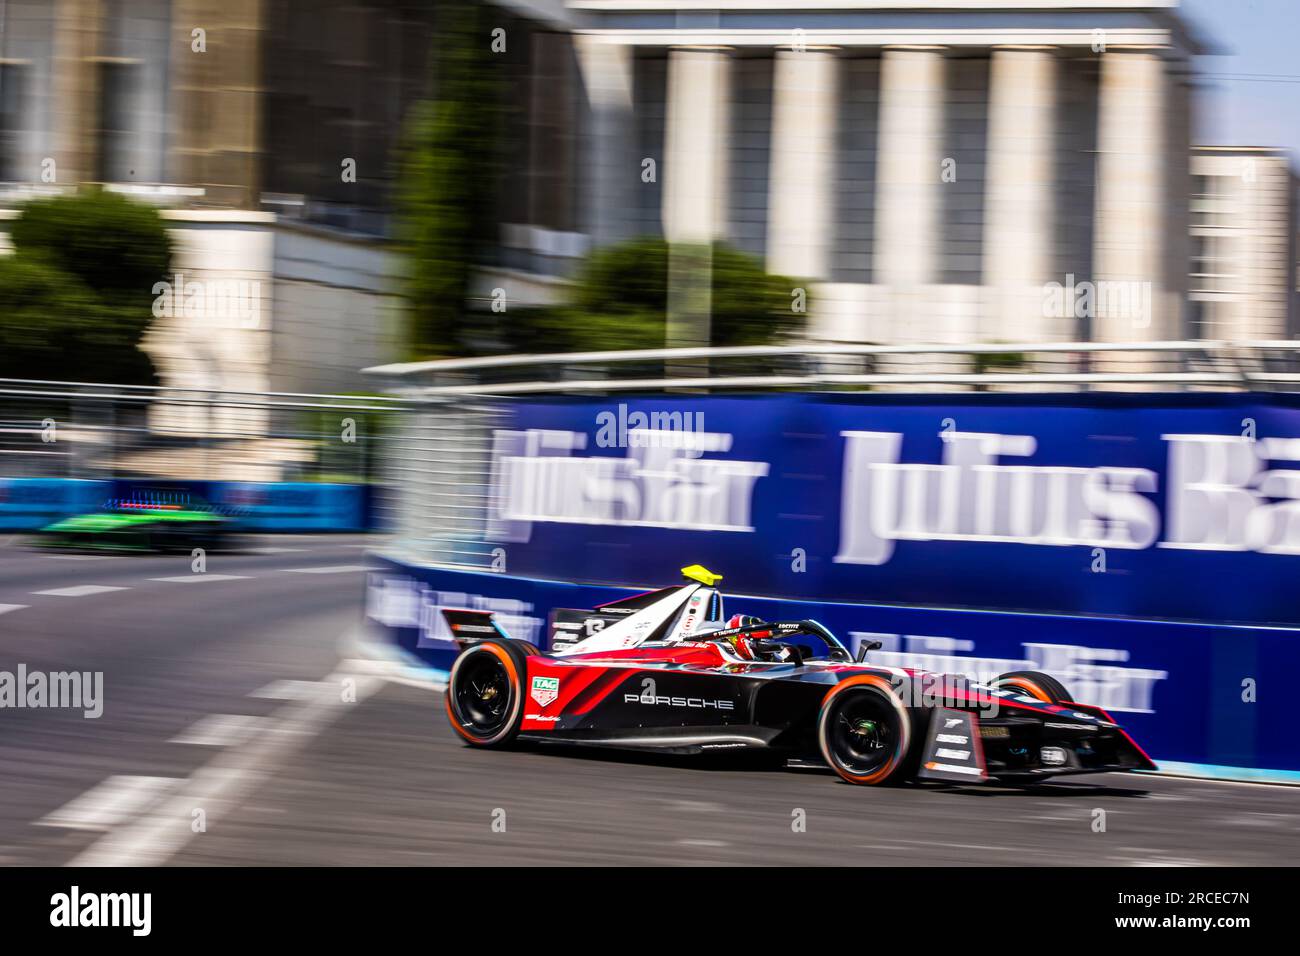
{"points": [[664, 670]]}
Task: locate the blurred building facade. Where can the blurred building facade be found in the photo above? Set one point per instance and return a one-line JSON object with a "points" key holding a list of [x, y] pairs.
{"points": [[267, 131], [985, 171], [931, 167], [1242, 277]]}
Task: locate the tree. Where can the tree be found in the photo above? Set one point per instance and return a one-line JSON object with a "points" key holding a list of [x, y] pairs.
{"points": [[448, 181], [619, 300], [76, 296]]}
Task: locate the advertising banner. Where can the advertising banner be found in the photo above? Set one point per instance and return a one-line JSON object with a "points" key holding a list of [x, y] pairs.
{"points": [[1181, 507]]}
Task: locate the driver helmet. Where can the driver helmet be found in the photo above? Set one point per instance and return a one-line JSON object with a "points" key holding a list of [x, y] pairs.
{"points": [[740, 643]]}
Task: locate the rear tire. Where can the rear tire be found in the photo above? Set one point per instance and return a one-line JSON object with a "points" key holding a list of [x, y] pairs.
{"points": [[864, 731], [1035, 684], [485, 696]]}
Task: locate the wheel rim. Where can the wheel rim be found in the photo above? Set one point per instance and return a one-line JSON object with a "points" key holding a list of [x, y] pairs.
{"points": [[483, 693], [864, 733]]}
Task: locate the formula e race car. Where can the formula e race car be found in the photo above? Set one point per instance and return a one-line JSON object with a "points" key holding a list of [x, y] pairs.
{"points": [[665, 671], [166, 521]]}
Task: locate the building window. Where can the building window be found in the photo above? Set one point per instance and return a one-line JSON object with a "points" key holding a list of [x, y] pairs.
{"points": [[117, 83], [12, 78]]}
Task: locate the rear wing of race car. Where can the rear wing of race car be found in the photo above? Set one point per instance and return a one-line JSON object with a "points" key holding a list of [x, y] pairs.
{"points": [[468, 627], [673, 613]]}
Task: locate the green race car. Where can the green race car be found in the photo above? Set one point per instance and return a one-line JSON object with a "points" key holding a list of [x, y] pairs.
{"points": [[142, 525]]}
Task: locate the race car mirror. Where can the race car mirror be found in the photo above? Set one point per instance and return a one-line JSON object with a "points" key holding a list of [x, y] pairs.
{"points": [[865, 648]]}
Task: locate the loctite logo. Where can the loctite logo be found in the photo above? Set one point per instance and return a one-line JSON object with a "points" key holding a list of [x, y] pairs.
{"points": [[698, 703]]}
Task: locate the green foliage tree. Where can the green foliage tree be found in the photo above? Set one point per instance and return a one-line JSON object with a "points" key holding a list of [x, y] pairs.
{"points": [[77, 294], [619, 300], [448, 181]]}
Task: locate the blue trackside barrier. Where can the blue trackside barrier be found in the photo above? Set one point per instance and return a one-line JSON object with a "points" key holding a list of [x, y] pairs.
{"points": [[295, 506], [1180, 688], [29, 504]]}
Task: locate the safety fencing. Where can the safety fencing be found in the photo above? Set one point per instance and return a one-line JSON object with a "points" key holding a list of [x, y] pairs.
{"points": [[279, 461]]}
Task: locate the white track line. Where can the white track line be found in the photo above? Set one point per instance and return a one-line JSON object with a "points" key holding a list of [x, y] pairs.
{"points": [[111, 802], [81, 590], [329, 569], [219, 730], [204, 576], [288, 690], [225, 782], [5, 608]]}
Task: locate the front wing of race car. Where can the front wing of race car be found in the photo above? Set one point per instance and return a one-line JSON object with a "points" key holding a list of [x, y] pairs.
{"points": [[1025, 742]]}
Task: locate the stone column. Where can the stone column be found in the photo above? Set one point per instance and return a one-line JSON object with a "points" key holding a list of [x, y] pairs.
{"points": [[1020, 182], [216, 141], [908, 198], [696, 145], [908, 166], [805, 101], [75, 81], [694, 171], [611, 170], [1132, 197]]}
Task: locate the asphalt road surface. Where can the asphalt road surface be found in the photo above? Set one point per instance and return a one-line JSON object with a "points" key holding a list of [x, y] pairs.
{"points": [[242, 726]]}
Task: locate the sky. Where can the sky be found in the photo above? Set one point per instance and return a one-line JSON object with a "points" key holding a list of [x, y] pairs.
{"points": [[1249, 95]]}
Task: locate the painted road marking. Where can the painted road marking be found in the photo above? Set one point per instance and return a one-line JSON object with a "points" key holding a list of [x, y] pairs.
{"points": [[219, 730], [289, 690], [4, 608], [188, 578], [224, 783], [329, 569], [81, 590], [111, 802]]}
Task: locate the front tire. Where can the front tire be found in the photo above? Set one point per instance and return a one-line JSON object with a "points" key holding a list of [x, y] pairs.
{"points": [[1035, 684], [484, 697], [864, 731]]}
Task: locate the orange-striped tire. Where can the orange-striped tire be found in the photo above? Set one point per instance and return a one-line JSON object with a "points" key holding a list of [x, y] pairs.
{"points": [[1034, 684], [870, 757], [485, 693]]}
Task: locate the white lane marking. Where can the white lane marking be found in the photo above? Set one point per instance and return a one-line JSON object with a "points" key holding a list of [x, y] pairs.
{"points": [[81, 590], [5, 608], [110, 802], [288, 690], [329, 569], [708, 843], [225, 782], [219, 730], [188, 578]]}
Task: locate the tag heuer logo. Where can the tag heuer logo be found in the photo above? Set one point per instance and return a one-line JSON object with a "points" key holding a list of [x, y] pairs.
{"points": [[545, 689]]}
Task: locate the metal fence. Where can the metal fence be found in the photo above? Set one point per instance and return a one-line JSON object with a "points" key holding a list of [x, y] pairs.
{"points": [[426, 435], [54, 429], [1055, 366]]}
